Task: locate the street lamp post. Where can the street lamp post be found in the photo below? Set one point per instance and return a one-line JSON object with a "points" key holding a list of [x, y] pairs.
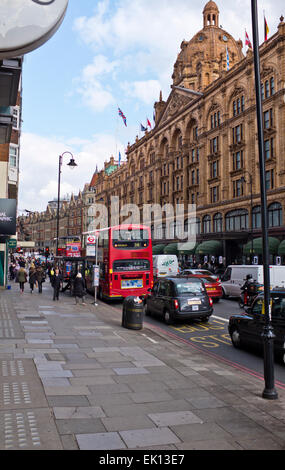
{"points": [[251, 205], [269, 391], [71, 165]]}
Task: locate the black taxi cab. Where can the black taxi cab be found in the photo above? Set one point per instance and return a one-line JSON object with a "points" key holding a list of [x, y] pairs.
{"points": [[246, 329], [179, 298]]}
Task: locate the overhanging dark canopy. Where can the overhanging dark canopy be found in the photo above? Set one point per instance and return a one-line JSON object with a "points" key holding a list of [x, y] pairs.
{"points": [[256, 246], [210, 247]]}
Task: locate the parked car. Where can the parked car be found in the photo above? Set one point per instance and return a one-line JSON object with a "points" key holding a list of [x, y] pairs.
{"points": [[245, 329], [205, 272], [179, 298], [213, 286]]}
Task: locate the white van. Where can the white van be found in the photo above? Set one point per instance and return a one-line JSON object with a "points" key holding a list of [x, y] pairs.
{"points": [[235, 275], [165, 265]]}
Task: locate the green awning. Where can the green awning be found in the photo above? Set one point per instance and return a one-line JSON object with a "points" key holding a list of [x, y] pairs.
{"points": [[171, 249], [187, 248], [281, 248], [273, 244], [210, 247], [158, 249]]}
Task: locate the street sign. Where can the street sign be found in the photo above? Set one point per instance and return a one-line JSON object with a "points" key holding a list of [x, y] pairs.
{"points": [[95, 275], [12, 243]]}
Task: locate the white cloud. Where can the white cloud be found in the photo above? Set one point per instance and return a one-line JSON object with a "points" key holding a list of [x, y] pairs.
{"points": [[88, 85], [146, 91], [39, 161]]}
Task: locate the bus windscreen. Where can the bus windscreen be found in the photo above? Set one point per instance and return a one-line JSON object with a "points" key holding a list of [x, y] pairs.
{"points": [[135, 238]]}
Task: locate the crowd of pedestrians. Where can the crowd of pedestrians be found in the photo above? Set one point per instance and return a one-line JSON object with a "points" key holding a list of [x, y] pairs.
{"points": [[33, 272]]}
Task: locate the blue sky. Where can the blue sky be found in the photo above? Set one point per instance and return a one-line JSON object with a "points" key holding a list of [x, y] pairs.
{"points": [[106, 54]]}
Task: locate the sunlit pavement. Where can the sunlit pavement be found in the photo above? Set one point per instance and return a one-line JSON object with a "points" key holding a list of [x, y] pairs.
{"points": [[73, 378]]}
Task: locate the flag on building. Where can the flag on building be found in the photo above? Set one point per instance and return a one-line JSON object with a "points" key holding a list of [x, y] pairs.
{"points": [[148, 122], [266, 29], [154, 117], [228, 59], [123, 116], [143, 129], [247, 41], [119, 158]]}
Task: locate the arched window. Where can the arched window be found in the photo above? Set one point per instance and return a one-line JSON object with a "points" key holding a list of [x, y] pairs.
{"points": [[237, 220], [192, 227], [275, 214], [159, 232], [218, 222], [206, 224], [256, 217], [198, 226]]}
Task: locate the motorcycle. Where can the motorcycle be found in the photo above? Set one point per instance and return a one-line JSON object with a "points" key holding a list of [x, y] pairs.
{"points": [[248, 295]]}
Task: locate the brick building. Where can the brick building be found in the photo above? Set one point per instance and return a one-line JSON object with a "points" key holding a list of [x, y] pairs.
{"points": [[203, 149]]}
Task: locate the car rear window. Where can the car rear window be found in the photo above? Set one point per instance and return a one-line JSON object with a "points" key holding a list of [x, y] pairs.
{"points": [[189, 287], [208, 279]]}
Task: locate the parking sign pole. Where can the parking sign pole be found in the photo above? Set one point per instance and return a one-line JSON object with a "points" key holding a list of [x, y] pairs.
{"points": [[269, 391]]}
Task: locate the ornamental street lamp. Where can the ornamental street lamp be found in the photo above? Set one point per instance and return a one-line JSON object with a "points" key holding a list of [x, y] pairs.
{"points": [[71, 165], [243, 180], [269, 391]]}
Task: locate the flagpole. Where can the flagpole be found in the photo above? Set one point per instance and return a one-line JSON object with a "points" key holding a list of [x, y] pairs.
{"points": [[116, 131]]}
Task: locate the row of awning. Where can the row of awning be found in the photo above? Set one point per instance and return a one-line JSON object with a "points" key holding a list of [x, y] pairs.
{"points": [[255, 247], [215, 247], [212, 247]]}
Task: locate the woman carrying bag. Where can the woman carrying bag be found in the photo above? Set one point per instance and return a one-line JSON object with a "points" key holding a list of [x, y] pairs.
{"points": [[21, 277]]}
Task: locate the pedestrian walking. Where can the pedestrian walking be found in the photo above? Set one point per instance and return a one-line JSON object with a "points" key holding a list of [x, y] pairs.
{"points": [[32, 277], [56, 281], [40, 277], [21, 277], [79, 289]]}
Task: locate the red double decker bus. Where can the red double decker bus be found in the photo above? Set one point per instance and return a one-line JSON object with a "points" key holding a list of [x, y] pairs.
{"points": [[125, 261]]}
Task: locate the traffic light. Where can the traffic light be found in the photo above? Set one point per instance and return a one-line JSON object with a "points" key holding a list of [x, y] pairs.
{"points": [[47, 252]]}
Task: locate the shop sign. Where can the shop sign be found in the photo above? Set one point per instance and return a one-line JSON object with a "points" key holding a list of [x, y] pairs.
{"points": [[8, 216]]}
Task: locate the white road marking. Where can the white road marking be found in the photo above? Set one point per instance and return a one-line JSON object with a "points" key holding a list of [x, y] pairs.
{"points": [[220, 318], [150, 339]]}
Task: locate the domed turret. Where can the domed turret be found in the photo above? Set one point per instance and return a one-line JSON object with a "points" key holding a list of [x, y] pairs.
{"points": [[204, 58], [211, 14]]}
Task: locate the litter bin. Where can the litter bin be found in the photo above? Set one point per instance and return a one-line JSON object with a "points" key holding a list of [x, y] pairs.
{"points": [[133, 310]]}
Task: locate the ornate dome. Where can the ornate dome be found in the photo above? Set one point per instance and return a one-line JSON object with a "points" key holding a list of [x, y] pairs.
{"points": [[203, 59]]}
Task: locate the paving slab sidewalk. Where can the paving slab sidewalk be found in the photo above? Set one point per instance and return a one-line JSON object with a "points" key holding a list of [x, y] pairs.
{"points": [[73, 379]]}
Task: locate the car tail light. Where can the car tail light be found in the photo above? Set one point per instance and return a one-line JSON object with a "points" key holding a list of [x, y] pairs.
{"points": [[211, 301], [176, 304]]}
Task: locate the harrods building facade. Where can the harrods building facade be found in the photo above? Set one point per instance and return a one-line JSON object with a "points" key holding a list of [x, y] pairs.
{"points": [[203, 149]]}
